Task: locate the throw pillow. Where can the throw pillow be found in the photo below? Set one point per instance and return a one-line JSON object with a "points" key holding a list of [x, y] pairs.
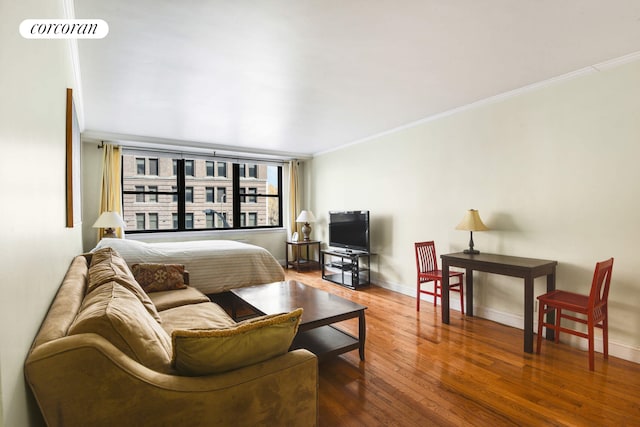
{"points": [[210, 351], [155, 277]]}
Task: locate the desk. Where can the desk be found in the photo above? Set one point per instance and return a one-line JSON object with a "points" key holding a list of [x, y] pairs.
{"points": [[526, 268]]}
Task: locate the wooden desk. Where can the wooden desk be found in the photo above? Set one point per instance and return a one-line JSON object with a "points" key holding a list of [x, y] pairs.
{"points": [[526, 268]]}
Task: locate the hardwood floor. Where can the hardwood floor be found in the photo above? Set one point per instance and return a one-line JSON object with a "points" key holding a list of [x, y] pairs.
{"points": [[420, 372]]}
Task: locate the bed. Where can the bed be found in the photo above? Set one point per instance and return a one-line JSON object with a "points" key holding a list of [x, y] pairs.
{"points": [[214, 265]]}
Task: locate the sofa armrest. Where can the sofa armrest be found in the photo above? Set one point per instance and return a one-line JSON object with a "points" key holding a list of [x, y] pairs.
{"points": [[85, 380]]}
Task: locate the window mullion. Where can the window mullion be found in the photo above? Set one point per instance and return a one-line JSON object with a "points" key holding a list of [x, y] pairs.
{"points": [[235, 176], [180, 182]]}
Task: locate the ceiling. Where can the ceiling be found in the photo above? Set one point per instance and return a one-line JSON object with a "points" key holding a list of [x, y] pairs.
{"points": [[302, 77]]}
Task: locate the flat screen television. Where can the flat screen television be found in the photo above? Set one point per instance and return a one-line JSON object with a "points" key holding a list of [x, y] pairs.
{"points": [[349, 230]]}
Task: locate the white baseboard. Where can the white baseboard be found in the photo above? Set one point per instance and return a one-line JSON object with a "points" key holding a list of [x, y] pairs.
{"points": [[619, 350]]}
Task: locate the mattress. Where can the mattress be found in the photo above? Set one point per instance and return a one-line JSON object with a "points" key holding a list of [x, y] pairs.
{"points": [[214, 265]]}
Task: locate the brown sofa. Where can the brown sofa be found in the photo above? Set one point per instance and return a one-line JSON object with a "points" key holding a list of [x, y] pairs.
{"points": [[85, 370]]}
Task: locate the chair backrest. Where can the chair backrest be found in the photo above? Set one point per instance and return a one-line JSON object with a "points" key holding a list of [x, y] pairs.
{"points": [[426, 259], [600, 284]]}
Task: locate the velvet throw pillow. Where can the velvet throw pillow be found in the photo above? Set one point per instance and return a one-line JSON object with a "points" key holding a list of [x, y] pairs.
{"points": [[155, 277], [211, 351]]}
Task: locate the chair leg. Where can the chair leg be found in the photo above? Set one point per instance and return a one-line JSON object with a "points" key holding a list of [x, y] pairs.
{"points": [[557, 327], [541, 314], [605, 336], [461, 295], [437, 286], [590, 334], [418, 297]]}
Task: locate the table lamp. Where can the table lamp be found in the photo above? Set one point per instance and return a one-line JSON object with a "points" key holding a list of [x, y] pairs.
{"points": [[471, 222], [306, 217], [109, 220]]}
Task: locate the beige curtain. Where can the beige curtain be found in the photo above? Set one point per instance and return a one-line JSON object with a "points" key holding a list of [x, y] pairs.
{"points": [[294, 196], [111, 191], [294, 200]]}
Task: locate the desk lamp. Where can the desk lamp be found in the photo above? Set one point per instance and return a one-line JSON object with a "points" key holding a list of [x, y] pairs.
{"points": [[471, 222], [306, 217], [109, 220]]}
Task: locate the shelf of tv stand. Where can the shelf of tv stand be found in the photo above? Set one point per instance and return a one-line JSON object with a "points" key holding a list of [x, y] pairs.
{"points": [[346, 268]]}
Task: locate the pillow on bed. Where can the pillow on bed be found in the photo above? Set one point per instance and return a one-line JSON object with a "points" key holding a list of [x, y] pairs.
{"points": [[155, 277], [210, 351]]}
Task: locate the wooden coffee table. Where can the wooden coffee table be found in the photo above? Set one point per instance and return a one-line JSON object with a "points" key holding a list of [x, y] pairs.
{"points": [[321, 309]]}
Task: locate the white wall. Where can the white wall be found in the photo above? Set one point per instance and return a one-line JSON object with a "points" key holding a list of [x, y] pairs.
{"points": [[35, 246], [553, 171]]}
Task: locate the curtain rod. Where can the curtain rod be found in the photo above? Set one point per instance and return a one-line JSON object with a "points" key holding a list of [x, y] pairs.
{"points": [[205, 153]]}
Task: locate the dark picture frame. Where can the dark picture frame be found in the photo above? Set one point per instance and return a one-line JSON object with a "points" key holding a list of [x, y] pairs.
{"points": [[73, 157]]}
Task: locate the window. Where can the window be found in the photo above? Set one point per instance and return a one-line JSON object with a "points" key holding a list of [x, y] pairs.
{"points": [[222, 169], [140, 166], [140, 195], [253, 219], [188, 167], [153, 166], [242, 170], [153, 221], [252, 199], [173, 200], [153, 198], [222, 195]]}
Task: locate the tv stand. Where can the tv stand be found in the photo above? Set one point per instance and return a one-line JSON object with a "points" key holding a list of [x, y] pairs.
{"points": [[346, 268]]}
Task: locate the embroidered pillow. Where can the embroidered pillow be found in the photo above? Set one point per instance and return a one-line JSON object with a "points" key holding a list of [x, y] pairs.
{"points": [[210, 351], [159, 277]]}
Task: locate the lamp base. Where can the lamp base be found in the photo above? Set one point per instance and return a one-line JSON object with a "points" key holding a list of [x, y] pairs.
{"points": [[306, 230], [471, 252], [109, 233]]}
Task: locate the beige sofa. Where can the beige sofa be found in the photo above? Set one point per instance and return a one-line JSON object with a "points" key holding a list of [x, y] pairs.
{"points": [[101, 358]]}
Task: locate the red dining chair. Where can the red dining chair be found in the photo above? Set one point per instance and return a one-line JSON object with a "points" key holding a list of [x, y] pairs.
{"points": [[427, 265], [592, 306]]}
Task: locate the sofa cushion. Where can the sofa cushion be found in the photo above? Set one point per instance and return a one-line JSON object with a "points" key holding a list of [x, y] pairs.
{"points": [[113, 312], [165, 300], [155, 277], [202, 352], [106, 266], [206, 315]]}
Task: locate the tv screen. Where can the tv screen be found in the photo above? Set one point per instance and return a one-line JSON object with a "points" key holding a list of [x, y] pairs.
{"points": [[349, 230]]}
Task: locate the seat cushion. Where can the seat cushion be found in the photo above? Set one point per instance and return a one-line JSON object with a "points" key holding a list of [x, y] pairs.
{"points": [[165, 300], [116, 314], [209, 351], [206, 315]]}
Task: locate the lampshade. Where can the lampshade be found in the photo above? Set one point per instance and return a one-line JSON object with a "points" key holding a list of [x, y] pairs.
{"points": [[306, 216], [471, 222], [109, 219]]}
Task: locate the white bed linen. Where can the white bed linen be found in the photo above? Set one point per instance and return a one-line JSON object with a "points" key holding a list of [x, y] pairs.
{"points": [[214, 265]]}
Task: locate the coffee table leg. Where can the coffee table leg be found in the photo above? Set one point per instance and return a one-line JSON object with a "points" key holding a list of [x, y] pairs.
{"points": [[362, 333]]}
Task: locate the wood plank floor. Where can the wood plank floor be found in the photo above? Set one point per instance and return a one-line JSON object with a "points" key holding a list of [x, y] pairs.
{"points": [[420, 372]]}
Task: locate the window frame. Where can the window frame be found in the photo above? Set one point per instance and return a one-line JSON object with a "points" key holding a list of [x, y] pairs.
{"points": [[238, 198]]}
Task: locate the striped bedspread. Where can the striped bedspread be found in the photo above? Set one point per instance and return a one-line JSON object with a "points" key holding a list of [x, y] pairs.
{"points": [[214, 265]]}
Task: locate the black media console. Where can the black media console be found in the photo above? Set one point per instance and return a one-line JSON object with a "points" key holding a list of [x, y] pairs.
{"points": [[346, 268]]}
